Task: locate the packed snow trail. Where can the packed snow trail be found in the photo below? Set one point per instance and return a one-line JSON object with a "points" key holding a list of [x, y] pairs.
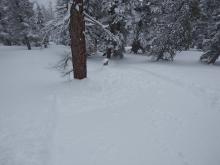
{"points": [[130, 112], [27, 109]]}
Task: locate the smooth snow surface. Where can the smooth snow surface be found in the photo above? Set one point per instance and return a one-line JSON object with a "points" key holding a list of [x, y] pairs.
{"points": [[131, 112]]}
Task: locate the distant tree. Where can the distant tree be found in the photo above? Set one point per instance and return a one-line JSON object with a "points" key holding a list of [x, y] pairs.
{"points": [[48, 12], [60, 24], [211, 37], [40, 38], [142, 25], [173, 30], [5, 31], [21, 21]]}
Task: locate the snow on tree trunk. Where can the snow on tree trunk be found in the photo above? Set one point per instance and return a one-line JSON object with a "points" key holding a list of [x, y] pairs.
{"points": [[78, 44]]}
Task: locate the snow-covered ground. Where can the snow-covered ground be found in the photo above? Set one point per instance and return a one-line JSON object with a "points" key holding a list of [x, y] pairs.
{"points": [[131, 112]]}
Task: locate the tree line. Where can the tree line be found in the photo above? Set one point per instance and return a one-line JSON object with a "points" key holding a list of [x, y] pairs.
{"points": [[158, 28], [22, 21]]}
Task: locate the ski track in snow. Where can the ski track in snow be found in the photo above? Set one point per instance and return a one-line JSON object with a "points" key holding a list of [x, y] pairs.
{"points": [[129, 112], [212, 96]]}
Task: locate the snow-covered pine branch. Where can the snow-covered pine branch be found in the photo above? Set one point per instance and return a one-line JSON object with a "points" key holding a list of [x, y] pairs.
{"points": [[104, 27]]}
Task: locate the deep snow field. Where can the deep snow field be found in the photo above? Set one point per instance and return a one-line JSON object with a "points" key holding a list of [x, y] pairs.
{"points": [[131, 112]]}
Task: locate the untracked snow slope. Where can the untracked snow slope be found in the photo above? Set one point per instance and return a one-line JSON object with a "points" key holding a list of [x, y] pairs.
{"points": [[131, 112]]}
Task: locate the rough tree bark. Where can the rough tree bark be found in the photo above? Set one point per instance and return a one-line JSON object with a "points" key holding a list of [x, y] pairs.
{"points": [[78, 44]]}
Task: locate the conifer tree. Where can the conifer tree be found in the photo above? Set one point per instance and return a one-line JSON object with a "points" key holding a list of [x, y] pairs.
{"points": [[40, 24], [5, 31], [173, 29], [21, 21], [211, 44]]}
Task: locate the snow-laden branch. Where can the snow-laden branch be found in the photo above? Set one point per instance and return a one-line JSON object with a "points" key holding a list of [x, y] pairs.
{"points": [[104, 27], [62, 24]]}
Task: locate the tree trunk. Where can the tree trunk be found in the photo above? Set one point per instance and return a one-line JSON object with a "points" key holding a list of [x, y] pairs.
{"points": [[8, 42], [26, 39], [78, 44]]}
